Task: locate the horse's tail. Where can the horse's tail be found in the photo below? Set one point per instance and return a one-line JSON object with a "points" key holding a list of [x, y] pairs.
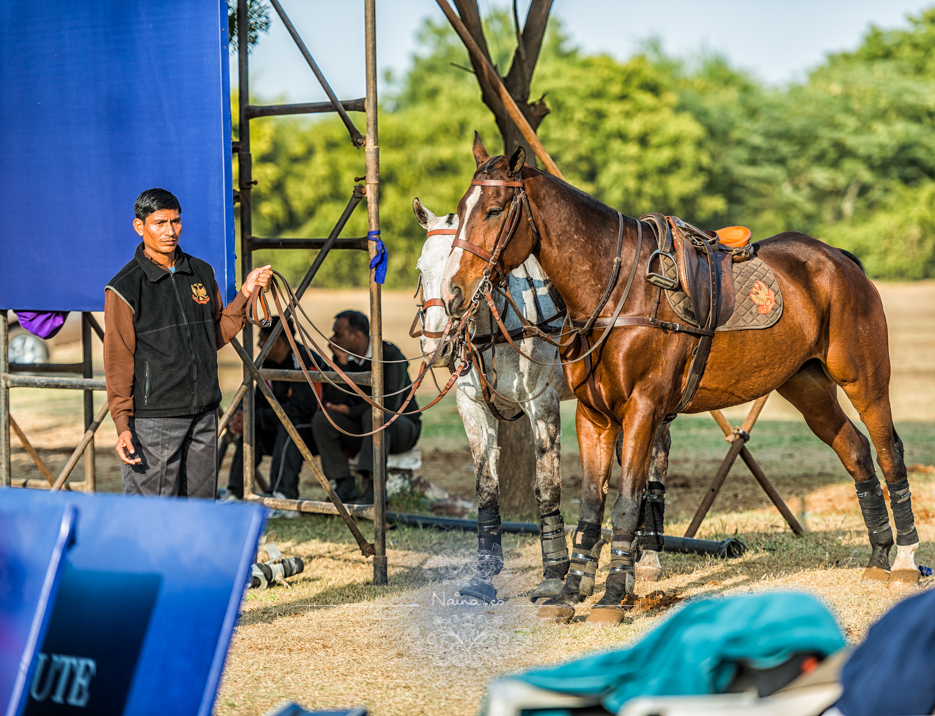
{"points": [[856, 260]]}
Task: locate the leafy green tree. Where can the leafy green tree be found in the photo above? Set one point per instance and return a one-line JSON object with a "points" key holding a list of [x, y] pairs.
{"points": [[847, 156]]}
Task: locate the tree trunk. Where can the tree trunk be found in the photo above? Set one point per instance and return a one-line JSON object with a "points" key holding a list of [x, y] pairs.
{"points": [[517, 465], [517, 469]]}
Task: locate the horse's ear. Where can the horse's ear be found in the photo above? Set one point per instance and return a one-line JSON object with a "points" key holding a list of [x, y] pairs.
{"points": [[480, 154], [422, 214], [517, 160]]}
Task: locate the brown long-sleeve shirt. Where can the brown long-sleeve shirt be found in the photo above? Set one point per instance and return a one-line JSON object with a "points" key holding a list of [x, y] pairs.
{"points": [[120, 347]]}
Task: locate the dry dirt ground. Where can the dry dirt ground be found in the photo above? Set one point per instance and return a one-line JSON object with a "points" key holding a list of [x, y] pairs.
{"points": [[333, 639]]}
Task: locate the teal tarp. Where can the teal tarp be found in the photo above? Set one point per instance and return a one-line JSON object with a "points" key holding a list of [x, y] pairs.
{"points": [[694, 651]]}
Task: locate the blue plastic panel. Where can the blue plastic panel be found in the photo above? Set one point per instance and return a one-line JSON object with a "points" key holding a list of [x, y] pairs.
{"points": [[149, 596], [33, 540], [101, 100]]}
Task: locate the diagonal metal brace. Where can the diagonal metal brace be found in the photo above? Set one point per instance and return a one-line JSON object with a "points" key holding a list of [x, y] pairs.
{"points": [[356, 137], [365, 547]]}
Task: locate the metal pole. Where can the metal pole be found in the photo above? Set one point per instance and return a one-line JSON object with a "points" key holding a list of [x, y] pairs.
{"points": [[86, 439], [5, 466], [335, 102], [299, 292], [771, 491], [372, 157], [245, 168], [365, 546], [89, 478], [716, 485]]}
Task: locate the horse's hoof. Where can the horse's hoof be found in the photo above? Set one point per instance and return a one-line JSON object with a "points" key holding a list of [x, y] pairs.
{"points": [[547, 589], [606, 615], [479, 589], [876, 574], [556, 613], [648, 574], [904, 577]]}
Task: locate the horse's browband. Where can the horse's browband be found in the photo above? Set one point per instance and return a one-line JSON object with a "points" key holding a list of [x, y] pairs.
{"points": [[497, 182], [445, 232]]}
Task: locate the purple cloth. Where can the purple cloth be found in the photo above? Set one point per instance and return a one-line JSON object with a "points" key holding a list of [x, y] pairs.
{"points": [[44, 324]]}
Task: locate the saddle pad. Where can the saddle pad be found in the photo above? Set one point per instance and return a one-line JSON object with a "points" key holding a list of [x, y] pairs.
{"points": [[758, 298]]}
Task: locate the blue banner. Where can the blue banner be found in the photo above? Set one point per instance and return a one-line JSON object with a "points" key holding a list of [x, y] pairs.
{"points": [[100, 101]]}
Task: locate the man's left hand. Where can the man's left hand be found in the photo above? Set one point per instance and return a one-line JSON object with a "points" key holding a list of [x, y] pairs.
{"points": [[258, 277]]}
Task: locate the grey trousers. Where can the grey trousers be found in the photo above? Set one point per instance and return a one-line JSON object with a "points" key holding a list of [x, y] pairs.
{"points": [[334, 446], [179, 457]]}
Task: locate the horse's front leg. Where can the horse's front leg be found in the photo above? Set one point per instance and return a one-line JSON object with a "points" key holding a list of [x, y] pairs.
{"points": [[546, 420], [481, 428], [596, 436], [650, 528], [639, 428]]}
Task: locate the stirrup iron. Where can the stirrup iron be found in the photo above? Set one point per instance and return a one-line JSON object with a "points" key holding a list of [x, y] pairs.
{"points": [[660, 279]]}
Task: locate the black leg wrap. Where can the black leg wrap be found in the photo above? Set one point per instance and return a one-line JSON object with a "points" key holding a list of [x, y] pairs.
{"points": [[490, 551], [876, 518], [585, 555], [621, 579], [901, 504], [873, 508], [649, 529], [555, 561]]}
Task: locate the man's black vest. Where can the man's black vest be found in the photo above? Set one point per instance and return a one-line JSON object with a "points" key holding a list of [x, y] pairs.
{"points": [[175, 367]]}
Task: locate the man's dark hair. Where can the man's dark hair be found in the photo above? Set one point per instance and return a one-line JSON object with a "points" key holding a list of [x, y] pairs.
{"points": [[153, 200], [274, 321], [356, 320]]}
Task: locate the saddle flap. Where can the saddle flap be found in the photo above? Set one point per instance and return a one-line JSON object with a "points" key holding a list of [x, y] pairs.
{"points": [[694, 273]]}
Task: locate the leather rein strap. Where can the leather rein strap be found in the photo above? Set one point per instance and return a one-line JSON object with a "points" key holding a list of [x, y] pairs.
{"points": [[278, 285]]}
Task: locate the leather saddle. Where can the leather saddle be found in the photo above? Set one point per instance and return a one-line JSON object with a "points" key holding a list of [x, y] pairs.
{"points": [[687, 256]]}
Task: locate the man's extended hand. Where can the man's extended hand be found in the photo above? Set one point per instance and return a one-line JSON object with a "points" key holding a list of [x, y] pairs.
{"points": [[125, 448], [258, 277], [343, 409]]}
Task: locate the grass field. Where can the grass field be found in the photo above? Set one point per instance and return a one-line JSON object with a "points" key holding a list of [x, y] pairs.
{"points": [[333, 639]]}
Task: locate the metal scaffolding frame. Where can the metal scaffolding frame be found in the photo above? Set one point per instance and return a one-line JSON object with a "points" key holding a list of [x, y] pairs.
{"points": [[253, 373], [23, 376], [250, 243]]}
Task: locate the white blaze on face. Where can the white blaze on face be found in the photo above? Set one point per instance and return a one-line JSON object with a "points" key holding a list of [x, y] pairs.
{"points": [[454, 260], [431, 265]]}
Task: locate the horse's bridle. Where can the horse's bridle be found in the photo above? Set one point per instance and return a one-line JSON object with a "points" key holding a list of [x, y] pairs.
{"points": [[508, 228], [417, 329]]}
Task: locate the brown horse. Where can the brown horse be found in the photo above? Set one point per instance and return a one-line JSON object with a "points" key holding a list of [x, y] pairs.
{"points": [[832, 332]]}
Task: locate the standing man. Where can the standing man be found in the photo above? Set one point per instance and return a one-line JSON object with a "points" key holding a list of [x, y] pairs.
{"points": [[165, 323], [352, 338]]}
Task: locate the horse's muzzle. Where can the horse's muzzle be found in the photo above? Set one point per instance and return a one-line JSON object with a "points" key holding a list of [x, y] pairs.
{"points": [[445, 357]]}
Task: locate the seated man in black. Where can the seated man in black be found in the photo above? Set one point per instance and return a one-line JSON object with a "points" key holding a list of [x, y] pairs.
{"points": [[352, 338], [271, 438]]}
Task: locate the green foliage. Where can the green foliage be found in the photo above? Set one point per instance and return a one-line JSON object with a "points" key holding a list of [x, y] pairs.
{"points": [[848, 156], [257, 22]]}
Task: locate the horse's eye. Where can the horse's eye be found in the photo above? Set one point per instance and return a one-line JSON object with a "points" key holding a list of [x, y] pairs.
{"points": [[494, 212]]}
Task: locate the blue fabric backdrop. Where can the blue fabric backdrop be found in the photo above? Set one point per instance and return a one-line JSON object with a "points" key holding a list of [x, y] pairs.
{"points": [[99, 101]]}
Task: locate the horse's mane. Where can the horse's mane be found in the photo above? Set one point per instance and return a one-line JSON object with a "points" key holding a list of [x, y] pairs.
{"points": [[592, 202], [530, 171]]}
